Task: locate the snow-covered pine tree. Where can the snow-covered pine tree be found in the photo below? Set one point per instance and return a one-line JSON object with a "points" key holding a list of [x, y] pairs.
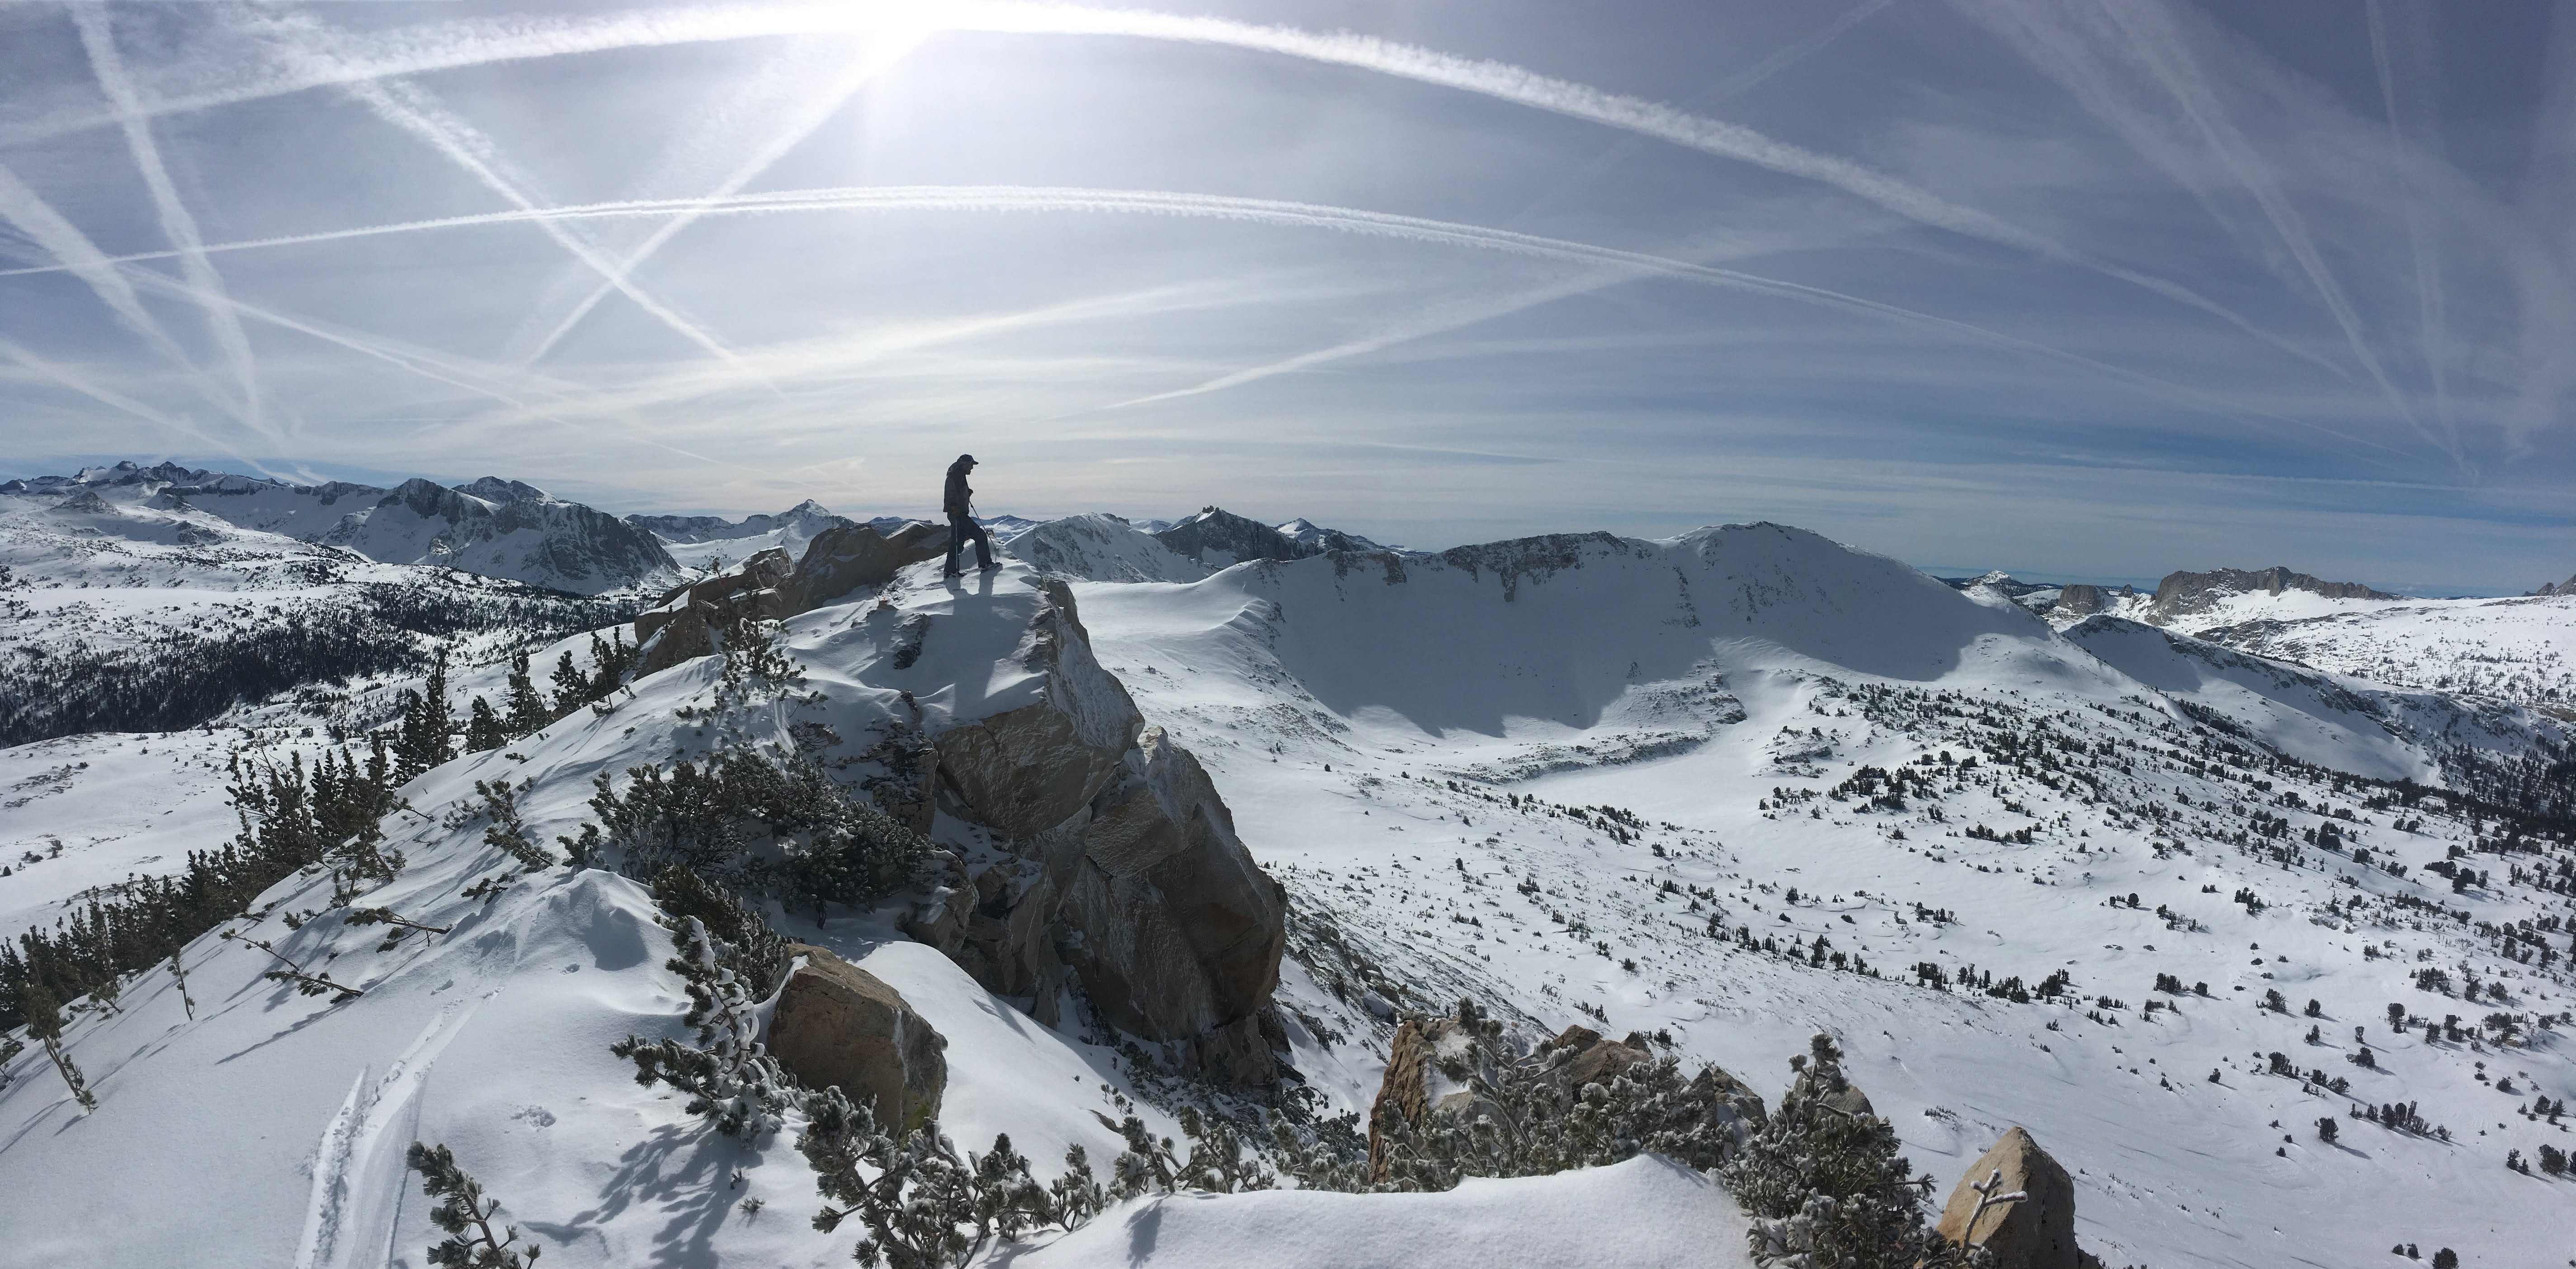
{"points": [[1828, 1187], [925, 1207], [508, 831], [465, 1215], [728, 1073]]}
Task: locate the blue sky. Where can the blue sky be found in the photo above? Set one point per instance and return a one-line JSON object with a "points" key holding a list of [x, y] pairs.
{"points": [[2075, 289]]}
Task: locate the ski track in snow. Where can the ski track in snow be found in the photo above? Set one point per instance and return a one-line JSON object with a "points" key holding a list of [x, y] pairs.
{"points": [[358, 1171]]}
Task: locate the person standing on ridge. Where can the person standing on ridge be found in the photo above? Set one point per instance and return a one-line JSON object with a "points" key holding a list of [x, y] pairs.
{"points": [[959, 503]]}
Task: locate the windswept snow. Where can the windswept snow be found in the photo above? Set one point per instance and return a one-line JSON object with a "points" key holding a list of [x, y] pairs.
{"points": [[1646, 1211]]}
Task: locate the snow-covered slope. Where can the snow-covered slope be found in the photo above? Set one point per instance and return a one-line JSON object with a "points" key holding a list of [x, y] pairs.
{"points": [[1543, 773], [493, 527], [1724, 790], [2519, 650], [493, 1037]]}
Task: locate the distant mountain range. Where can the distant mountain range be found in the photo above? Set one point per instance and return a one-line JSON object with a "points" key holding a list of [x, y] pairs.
{"points": [[492, 526]]}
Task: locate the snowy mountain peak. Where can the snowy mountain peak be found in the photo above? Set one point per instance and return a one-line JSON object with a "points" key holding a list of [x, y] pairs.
{"points": [[495, 489]]}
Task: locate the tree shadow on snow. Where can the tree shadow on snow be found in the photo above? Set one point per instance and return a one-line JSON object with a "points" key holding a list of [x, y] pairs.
{"points": [[680, 1170]]}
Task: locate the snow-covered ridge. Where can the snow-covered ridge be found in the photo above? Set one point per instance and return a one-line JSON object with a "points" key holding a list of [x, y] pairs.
{"points": [[494, 527]]}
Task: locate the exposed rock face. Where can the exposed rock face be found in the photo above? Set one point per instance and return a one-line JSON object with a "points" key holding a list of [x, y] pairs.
{"points": [[2037, 1232], [2183, 594], [2080, 600], [767, 587], [1215, 538], [2567, 587], [1414, 1087], [838, 1024], [847, 557], [682, 624], [1132, 878], [1826, 1083]]}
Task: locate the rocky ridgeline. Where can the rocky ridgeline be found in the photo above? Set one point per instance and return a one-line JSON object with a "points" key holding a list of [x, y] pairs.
{"points": [[2182, 595], [1123, 876]]}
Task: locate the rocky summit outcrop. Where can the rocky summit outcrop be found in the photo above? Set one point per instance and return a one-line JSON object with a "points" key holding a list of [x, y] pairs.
{"points": [[838, 1024], [2081, 600], [686, 621], [1128, 881], [2036, 1231], [2567, 587], [2182, 595]]}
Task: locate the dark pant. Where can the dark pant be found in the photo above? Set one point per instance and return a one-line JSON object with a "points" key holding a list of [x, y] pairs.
{"points": [[961, 530]]}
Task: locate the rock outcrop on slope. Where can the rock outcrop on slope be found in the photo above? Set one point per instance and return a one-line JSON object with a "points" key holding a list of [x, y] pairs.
{"points": [[839, 1025], [2036, 1231], [1124, 875], [1129, 874], [2181, 595], [685, 621]]}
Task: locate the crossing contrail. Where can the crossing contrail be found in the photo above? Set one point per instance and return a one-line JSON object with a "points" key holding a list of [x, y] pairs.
{"points": [[1275, 212], [406, 107], [355, 55], [99, 41], [816, 108]]}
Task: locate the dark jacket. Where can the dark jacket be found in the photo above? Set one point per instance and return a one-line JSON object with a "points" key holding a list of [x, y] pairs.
{"points": [[959, 499]]}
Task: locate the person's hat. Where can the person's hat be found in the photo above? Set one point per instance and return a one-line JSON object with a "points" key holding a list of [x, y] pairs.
{"points": [[965, 460]]}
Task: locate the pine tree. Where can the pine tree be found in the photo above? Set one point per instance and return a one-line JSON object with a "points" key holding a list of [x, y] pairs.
{"points": [[528, 712], [45, 1023], [925, 1207], [483, 728], [1829, 1184], [728, 1073], [465, 1215]]}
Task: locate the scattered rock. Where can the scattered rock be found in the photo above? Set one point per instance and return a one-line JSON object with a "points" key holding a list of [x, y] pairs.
{"points": [[2036, 1232], [838, 1024]]}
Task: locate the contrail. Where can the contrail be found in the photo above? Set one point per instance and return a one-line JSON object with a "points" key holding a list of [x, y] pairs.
{"points": [[427, 365], [83, 385], [399, 103], [1385, 338], [2162, 51], [1268, 211], [99, 41], [1747, 80], [413, 50], [75, 254], [817, 108], [2428, 266]]}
